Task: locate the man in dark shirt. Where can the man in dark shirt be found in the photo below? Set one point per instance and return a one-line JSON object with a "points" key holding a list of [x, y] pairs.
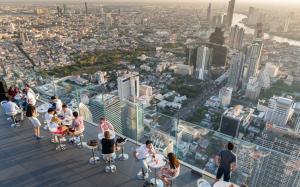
{"points": [[108, 144], [226, 161]]}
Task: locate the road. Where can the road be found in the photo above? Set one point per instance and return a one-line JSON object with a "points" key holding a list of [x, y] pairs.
{"points": [[190, 109]]}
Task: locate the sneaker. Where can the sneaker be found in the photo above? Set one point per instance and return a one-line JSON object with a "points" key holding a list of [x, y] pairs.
{"points": [[39, 137], [145, 176], [12, 125], [71, 142], [45, 128], [63, 139]]}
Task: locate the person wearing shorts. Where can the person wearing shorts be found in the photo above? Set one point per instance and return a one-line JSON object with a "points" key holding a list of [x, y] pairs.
{"points": [[32, 116]]}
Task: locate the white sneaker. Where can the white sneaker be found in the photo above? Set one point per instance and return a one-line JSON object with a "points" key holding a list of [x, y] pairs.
{"points": [[12, 125], [63, 139], [45, 128]]}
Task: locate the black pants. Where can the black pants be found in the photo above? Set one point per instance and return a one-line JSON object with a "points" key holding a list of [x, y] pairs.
{"points": [[224, 172]]}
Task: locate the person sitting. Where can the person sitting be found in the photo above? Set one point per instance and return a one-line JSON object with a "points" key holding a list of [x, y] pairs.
{"points": [[106, 126], [172, 169], [108, 144], [13, 110], [12, 91], [77, 126], [66, 112], [32, 115], [141, 154], [48, 117], [56, 127], [56, 104]]}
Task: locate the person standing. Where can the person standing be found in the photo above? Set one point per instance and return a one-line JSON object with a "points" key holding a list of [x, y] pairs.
{"points": [[226, 162], [105, 126], [32, 115], [141, 154]]}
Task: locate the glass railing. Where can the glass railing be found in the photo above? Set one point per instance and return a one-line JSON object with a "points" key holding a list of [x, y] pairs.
{"points": [[259, 163]]}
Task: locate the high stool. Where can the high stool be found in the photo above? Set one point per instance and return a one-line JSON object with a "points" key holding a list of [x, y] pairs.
{"points": [[94, 159], [60, 147], [80, 135], [109, 158], [123, 156], [12, 117], [202, 183]]}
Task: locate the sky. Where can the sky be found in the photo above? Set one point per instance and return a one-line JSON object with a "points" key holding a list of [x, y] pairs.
{"points": [[182, 1]]}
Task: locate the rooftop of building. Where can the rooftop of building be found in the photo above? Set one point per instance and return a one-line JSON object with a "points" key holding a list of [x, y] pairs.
{"points": [[28, 162]]}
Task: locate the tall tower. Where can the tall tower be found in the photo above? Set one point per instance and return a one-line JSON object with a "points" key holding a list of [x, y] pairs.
{"points": [[252, 60], [128, 86], [230, 12], [236, 37], [86, 8], [203, 60], [209, 13], [259, 33], [235, 71]]}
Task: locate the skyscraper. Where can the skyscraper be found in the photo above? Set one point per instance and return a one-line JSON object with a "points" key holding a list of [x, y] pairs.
{"points": [[287, 22], [280, 110], [128, 86], [252, 61], [86, 8], [253, 15], [235, 71], [209, 13], [253, 89], [230, 12], [203, 59], [65, 9], [225, 94], [236, 37], [259, 33]]}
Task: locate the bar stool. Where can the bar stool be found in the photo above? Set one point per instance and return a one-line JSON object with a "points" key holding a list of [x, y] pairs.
{"points": [[202, 183], [123, 156], [109, 158], [60, 147], [92, 145]]}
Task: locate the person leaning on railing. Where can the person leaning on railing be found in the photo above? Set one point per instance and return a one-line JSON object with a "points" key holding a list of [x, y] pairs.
{"points": [[226, 162], [105, 125]]}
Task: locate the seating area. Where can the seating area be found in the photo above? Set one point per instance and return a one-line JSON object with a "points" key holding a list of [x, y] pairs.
{"points": [[28, 162]]}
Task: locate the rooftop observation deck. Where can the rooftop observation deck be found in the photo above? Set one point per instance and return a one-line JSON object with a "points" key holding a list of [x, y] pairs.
{"points": [[24, 161]]}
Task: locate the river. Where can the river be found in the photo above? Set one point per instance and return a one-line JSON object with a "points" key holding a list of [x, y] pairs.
{"points": [[237, 18]]}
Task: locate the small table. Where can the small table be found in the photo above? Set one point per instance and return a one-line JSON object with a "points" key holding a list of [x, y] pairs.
{"points": [[67, 122], [43, 108], [101, 135], [221, 184], [156, 165]]}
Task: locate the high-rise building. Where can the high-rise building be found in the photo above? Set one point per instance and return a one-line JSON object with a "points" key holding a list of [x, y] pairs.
{"points": [[271, 69], [252, 61], [108, 20], [209, 13], [280, 110], [225, 94], [204, 56], [200, 58], [235, 71], [86, 8], [24, 38], [128, 86], [230, 12], [287, 22], [65, 9], [234, 118], [236, 37], [253, 15], [259, 33], [253, 89]]}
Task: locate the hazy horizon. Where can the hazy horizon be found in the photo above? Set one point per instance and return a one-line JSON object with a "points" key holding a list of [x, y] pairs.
{"points": [[177, 1]]}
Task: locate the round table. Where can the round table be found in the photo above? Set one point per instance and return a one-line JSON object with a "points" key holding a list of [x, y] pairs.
{"points": [[43, 108], [101, 135], [221, 184], [156, 164], [67, 122]]}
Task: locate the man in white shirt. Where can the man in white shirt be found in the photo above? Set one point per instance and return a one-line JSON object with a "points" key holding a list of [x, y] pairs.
{"points": [[48, 117], [66, 113], [57, 104], [12, 109], [141, 154], [30, 97]]}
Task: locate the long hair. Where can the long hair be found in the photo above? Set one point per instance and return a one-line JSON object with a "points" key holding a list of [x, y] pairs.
{"points": [[174, 162], [30, 110]]}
